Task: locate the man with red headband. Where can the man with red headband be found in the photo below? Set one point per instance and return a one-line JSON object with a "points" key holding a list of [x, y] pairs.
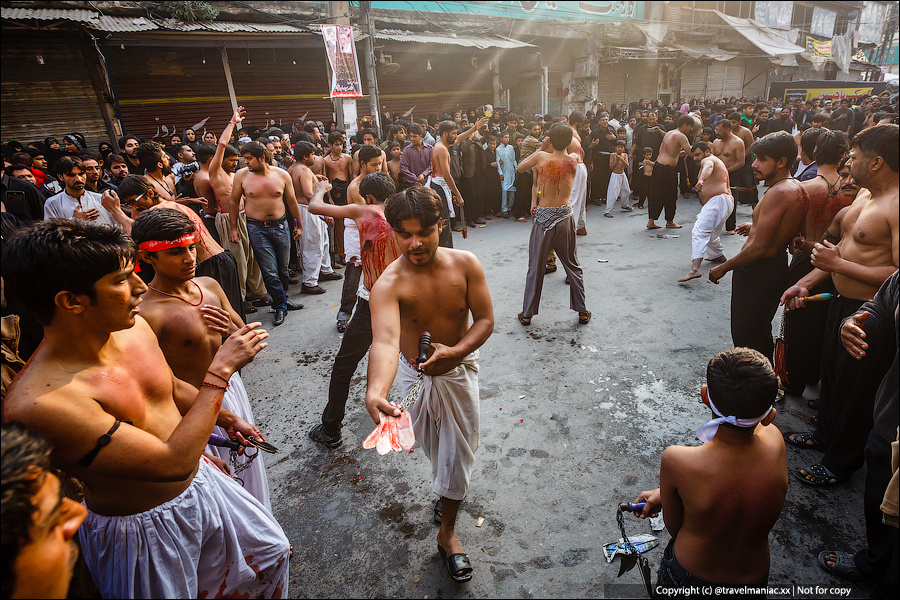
{"points": [[193, 312]]}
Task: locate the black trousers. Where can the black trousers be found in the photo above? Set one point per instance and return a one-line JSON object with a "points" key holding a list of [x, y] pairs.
{"points": [[223, 268], [735, 178], [210, 222], [356, 342], [755, 291], [848, 390], [804, 331], [446, 237], [522, 205], [352, 273], [684, 186], [663, 191], [472, 197]]}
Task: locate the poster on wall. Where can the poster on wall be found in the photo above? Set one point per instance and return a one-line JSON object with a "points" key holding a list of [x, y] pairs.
{"points": [[817, 48], [871, 23], [774, 13], [823, 22], [341, 51]]}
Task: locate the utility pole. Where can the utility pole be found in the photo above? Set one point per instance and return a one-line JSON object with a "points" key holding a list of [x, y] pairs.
{"points": [[371, 78], [339, 14]]}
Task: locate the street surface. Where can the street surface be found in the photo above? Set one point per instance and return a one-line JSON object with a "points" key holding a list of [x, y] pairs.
{"points": [[574, 419]]}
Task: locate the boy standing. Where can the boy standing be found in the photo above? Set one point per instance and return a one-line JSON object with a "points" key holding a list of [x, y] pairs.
{"points": [[618, 180], [740, 470]]}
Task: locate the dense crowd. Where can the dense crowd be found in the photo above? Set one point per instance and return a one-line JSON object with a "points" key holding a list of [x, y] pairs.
{"points": [[197, 231]]}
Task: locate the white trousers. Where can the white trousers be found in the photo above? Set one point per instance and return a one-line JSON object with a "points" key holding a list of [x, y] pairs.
{"points": [[254, 477], [578, 196], [314, 254], [214, 540], [618, 190], [705, 238]]}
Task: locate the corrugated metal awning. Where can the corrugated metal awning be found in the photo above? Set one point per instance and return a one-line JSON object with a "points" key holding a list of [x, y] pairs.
{"points": [[452, 39]]}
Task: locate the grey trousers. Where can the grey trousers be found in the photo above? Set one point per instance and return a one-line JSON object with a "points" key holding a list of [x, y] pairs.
{"points": [[561, 238]]}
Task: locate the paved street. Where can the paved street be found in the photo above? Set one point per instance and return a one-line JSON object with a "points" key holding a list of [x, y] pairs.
{"points": [[574, 419]]}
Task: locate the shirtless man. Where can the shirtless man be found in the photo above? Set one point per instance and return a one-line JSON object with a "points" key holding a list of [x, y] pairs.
{"points": [[190, 316], [368, 137], [99, 390], [441, 181], [746, 186], [760, 268], [157, 166], [716, 202], [741, 469], [554, 224], [432, 288], [379, 249], [337, 170], [866, 255], [266, 191], [803, 328], [730, 149], [369, 164], [664, 182], [578, 194], [205, 153], [221, 170], [213, 261]]}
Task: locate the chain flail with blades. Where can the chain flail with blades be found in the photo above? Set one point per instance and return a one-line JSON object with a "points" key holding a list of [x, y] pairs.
{"points": [[632, 556]]}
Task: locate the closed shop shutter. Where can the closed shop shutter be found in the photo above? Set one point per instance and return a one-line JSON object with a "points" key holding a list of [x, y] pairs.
{"points": [[755, 73], [715, 81], [173, 87], [734, 81], [50, 99], [612, 83], [451, 84], [643, 80], [693, 81]]}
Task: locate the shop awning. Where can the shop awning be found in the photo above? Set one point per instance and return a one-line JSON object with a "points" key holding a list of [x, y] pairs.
{"points": [[761, 36]]}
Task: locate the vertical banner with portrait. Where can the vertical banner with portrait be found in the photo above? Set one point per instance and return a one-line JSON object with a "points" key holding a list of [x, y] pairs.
{"points": [[341, 50]]}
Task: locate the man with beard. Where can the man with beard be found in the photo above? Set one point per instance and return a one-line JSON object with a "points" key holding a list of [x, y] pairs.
{"points": [[731, 150], [441, 180], [664, 181], [605, 137], [128, 145], [156, 164], [266, 191], [75, 202], [432, 288], [760, 268]]}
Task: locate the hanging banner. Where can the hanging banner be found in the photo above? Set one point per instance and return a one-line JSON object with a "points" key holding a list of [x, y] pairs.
{"points": [[818, 49], [823, 22], [774, 13], [341, 51]]}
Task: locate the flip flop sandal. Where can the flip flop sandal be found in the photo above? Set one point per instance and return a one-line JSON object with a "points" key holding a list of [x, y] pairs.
{"points": [[821, 477], [844, 566], [524, 321], [800, 440], [438, 511], [584, 317], [458, 565], [342, 326]]}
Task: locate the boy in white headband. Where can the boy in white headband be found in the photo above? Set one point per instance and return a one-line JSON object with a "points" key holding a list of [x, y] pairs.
{"points": [[722, 498]]}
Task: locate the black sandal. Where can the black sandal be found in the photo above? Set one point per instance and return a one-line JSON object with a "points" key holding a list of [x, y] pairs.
{"points": [[523, 320], [818, 476], [458, 565], [438, 511], [800, 440]]}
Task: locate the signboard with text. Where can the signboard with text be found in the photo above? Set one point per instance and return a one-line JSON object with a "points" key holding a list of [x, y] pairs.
{"points": [[341, 51], [774, 13], [817, 48], [595, 10]]}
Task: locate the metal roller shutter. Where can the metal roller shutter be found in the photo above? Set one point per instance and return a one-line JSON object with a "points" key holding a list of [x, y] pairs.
{"points": [[50, 99], [693, 81], [734, 81], [715, 80], [612, 83], [643, 80]]}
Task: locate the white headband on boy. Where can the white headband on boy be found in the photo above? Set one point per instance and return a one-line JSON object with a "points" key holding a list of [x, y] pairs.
{"points": [[708, 431]]}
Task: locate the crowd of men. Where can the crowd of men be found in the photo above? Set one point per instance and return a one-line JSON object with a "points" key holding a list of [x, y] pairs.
{"points": [[129, 274]]}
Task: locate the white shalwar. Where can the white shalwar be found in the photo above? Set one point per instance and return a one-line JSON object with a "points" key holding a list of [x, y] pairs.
{"points": [[314, 254], [352, 251], [618, 190], [578, 195], [445, 421], [254, 477], [448, 195], [213, 540], [708, 227]]}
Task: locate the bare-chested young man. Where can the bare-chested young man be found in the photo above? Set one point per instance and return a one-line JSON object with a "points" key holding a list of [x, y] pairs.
{"points": [[379, 249], [163, 522], [315, 259], [716, 202], [803, 328], [220, 172], [337, 170], [266, 191], [578, 194], [157, 166], [664, 181], [745, 189], [191, 316], [441, 180], [760, 268], [554, 223], [432, 288], [731, 150], [368, 137], [867, 254], [741, 469]]}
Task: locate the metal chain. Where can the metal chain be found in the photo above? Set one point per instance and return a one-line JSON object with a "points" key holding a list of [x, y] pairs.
{"points": [[238, 468], [414, 391]]}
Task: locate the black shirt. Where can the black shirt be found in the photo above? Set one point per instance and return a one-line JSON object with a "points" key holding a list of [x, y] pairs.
{"points": [[29, 206], [841, 119]]}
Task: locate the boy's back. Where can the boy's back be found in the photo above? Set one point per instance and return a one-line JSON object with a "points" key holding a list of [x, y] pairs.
{"points": [[722, 499]]}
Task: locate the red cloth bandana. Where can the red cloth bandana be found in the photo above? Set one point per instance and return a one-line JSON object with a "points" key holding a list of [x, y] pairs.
{"points": [[157, 245]]}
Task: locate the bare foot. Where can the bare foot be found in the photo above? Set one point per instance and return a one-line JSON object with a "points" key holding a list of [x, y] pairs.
{"points": [[672, 225], [719, 260], [692, 274], [652, 225], [729, 233]]}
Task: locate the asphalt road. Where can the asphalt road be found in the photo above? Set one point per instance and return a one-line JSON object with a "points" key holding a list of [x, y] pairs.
{"points": [[574, 419]]}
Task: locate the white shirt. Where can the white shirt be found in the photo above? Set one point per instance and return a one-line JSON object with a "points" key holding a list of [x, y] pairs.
{"points": [[63, 205]]}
